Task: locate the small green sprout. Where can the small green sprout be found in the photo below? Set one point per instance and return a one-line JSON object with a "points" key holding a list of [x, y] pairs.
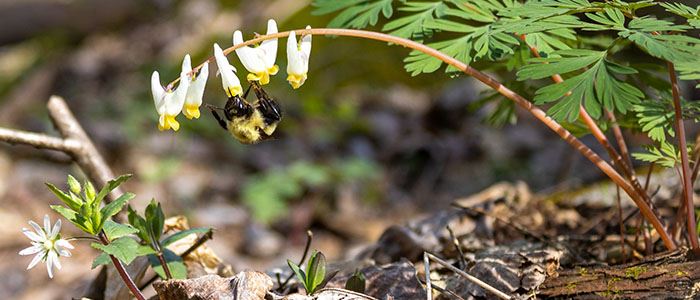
{"points": [[314, 278]]}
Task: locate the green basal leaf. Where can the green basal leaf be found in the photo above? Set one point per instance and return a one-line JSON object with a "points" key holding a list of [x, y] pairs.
{"points": [[315, 271], [356, 282], [102, 259], [125, 249], [182, 234], [655, 119], [299, 273], [114, 230], [71, 202], [175, 265]]}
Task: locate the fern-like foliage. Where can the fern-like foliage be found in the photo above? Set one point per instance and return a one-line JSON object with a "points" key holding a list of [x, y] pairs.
{"points": [[595, 87], [589, 43]]}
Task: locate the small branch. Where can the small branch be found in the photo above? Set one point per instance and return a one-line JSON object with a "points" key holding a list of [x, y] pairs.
{"points": [[473, 279], [455, 241], [122, 272], [685, 165], [86, 156], [37, 140]]}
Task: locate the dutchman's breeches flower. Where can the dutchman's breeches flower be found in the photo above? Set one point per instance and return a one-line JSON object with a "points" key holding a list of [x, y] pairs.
{"points": [[259, 61], [298, 59], [229, 80], [169, 103], [47, 244], [195, 93]]}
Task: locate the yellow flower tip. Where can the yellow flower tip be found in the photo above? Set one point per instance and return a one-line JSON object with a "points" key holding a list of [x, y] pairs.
{"points": [[232, 91], [273, 70], [191, 111], [296, 80], [167, 122]]}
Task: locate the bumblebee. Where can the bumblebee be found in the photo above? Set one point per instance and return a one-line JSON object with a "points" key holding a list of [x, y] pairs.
{"points": [[249, 123]]}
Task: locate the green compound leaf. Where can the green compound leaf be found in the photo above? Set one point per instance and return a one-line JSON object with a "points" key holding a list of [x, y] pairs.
{"points": [[354, 13], [596, 88], [412, 26], [667, 155]]}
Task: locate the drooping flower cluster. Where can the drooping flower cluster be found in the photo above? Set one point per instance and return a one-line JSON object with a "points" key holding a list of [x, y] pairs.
{"points": [[258, 60], [47, 244]]}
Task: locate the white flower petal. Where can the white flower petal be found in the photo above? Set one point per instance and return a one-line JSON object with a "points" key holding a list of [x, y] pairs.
{"points": [[31, 250], [306, 45], [196, 90], [174, 105], [251, 58], [229, 79], [49, 263], [294, 62], [64, 252], [158, 93], [33, 236], [53, 256], [37, 258], [47, 224], [56, 229], [65, 244], [269, 47], [40, 232]]}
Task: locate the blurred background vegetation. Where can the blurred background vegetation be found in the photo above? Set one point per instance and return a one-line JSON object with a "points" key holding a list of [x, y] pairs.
{"points": [[361, 140]]}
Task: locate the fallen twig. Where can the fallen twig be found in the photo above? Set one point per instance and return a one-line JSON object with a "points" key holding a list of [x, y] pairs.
{"points": [[473, 279]]}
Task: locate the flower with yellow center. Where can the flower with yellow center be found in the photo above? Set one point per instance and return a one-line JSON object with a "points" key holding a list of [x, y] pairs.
{"points": [[47, 245], [298, 59], [259, 61], [168, 102], [193, 100], [229, 80]]}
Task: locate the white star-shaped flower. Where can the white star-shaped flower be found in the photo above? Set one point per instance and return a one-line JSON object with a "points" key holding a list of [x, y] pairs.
{"points": [[47, 244]]}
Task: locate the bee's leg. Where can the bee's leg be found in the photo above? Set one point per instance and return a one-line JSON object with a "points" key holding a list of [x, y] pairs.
{"points": [[259, 92], [247, 91], [218, 118], [270, 110]]}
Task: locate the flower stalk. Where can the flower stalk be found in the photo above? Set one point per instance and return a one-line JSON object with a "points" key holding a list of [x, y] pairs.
{"points": [[685, 164], [538, 113], [122, 272]]}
